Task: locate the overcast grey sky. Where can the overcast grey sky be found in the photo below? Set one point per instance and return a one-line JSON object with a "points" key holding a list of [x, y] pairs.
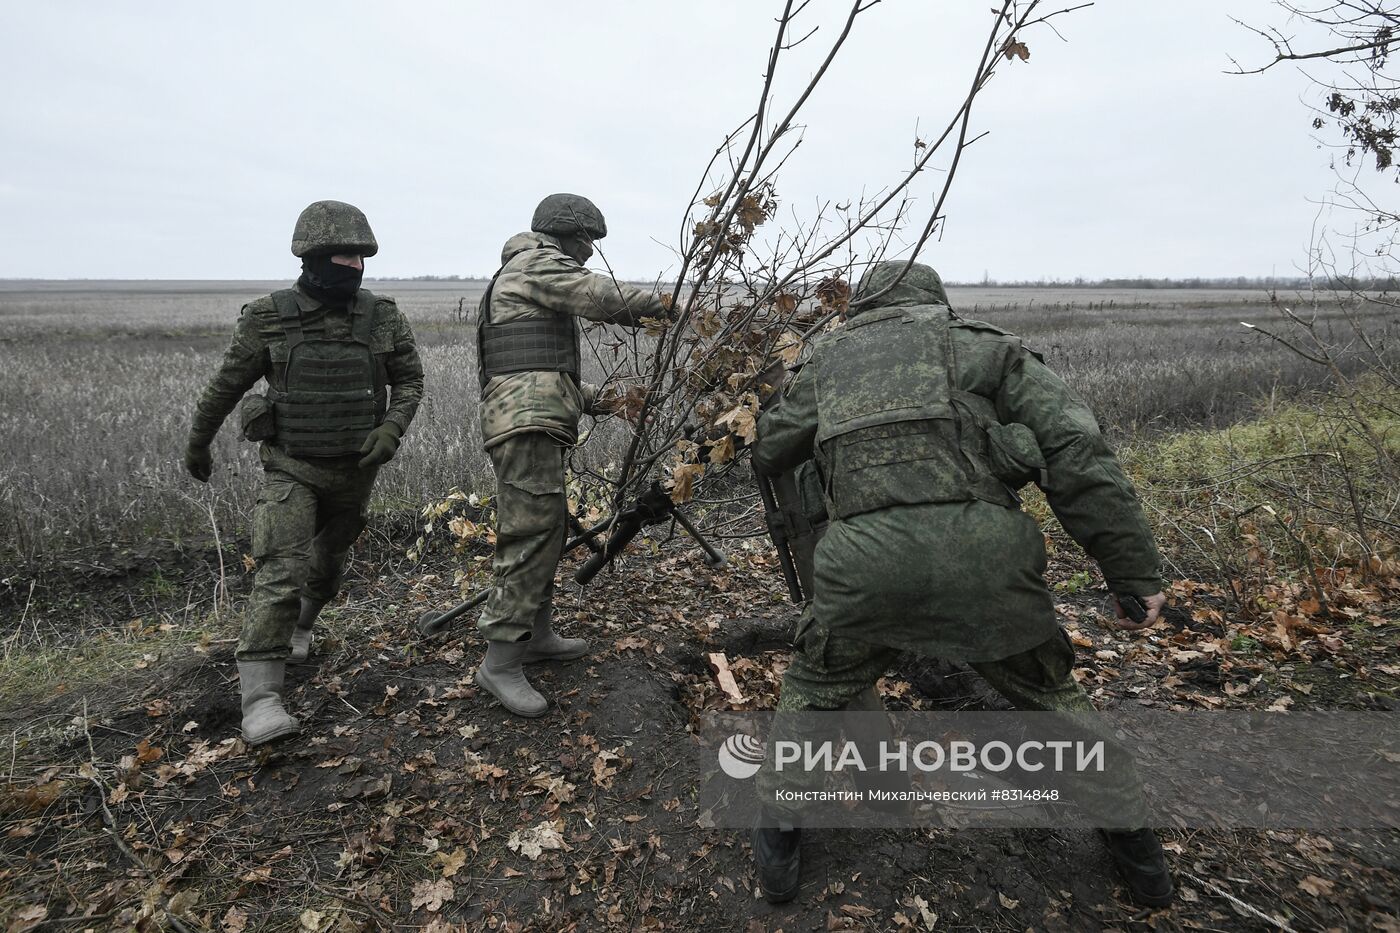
{"points": [[162, 139]]}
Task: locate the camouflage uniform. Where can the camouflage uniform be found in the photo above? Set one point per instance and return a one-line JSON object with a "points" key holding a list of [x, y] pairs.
{"points": [[309, 510], [528, 419], [927, 550]]}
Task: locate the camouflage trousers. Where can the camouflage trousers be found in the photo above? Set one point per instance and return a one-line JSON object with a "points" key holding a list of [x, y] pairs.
{"points": [[831, 672], [531, 524], [307, 516]]}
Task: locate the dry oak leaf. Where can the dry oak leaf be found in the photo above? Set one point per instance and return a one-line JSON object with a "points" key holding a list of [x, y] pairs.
{"points": [[558, 788], [28, 917], [452, 862], [1317, 887], [683, 479], [431, 895], [1013, 49], [533, 842], [742, 419], [234, 921], [312, 921], [722, 450], [605, 766]]}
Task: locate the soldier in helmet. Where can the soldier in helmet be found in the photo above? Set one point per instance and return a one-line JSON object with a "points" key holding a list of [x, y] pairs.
{"points": [[531, 399], [343, 382], [922, 425]]}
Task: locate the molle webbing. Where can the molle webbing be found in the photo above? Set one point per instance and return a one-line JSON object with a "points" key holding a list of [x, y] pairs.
{"points": [[889, 433], [329, 399], [548, 343]]}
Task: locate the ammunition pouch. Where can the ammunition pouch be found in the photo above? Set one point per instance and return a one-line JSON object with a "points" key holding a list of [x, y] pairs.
{"points": [[256, 419]]}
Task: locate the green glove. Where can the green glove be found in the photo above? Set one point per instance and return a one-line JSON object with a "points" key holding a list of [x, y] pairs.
{"points": [[199, 462], [381, 445]]}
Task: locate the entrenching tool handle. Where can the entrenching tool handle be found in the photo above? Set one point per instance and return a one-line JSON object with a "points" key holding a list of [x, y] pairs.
{"points": [[777, 530], [431, 623]]}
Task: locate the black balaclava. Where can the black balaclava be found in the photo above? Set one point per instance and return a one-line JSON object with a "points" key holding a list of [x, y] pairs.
{"points": [[328, 281], [578, 248]]}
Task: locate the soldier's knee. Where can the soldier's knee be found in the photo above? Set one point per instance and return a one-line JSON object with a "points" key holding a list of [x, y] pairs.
{"points": [[281, 573]]}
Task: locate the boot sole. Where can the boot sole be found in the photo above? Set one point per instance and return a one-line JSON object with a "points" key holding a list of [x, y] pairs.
{"points": [[565, 656], [275, 735], [1155, 900], [484, 682], [780, 897]]}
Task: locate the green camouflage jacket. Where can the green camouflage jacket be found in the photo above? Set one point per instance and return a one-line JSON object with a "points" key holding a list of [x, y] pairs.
{"points": [[537, 278], [964, 579], [259, 336]]}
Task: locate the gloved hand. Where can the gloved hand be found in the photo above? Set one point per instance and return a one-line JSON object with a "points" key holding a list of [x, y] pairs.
{"points": [[1150, 609], [615, 399], [199, 462], [381, 445]]}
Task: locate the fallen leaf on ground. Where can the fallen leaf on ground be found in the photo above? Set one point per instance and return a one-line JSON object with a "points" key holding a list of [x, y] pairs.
{"points": [[533, 842], [431, 895], [1317, 887]]}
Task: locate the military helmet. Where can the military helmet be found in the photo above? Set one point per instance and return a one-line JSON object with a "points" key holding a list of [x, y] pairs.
{"points": [[333, 227], [569, 215], [913, 283]]}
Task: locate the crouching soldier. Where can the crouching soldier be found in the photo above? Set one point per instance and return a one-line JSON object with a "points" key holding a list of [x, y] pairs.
{"points": [[344, 381], [922, 424]]}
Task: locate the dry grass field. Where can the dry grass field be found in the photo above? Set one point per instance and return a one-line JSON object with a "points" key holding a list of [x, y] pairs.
{"points": [[99, 379], [127, 801]]}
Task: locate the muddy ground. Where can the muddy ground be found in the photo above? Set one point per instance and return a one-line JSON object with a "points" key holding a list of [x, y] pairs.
{"points": [[413, 801]]}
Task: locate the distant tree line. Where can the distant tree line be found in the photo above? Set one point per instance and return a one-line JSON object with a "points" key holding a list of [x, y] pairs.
{"points": [[431, 278], [1266, 283]]}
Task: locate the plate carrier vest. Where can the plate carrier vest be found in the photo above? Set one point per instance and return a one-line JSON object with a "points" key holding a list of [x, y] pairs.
{"points": [[893, 429], [549, 343], [329, 394]]}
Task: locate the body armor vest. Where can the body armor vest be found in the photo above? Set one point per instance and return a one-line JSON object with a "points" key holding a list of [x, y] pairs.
{"points": [[893, 429], [549, 343], [328, 396]]}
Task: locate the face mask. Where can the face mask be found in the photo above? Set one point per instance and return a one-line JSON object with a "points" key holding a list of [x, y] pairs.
{"points": [[577, 248], [330, 281]]}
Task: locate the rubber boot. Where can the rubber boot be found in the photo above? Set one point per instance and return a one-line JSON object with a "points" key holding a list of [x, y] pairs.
{"points": [[301, 635], [546, 645], [264, 718], [501, 675], [1140, 860], [777, 853]]}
